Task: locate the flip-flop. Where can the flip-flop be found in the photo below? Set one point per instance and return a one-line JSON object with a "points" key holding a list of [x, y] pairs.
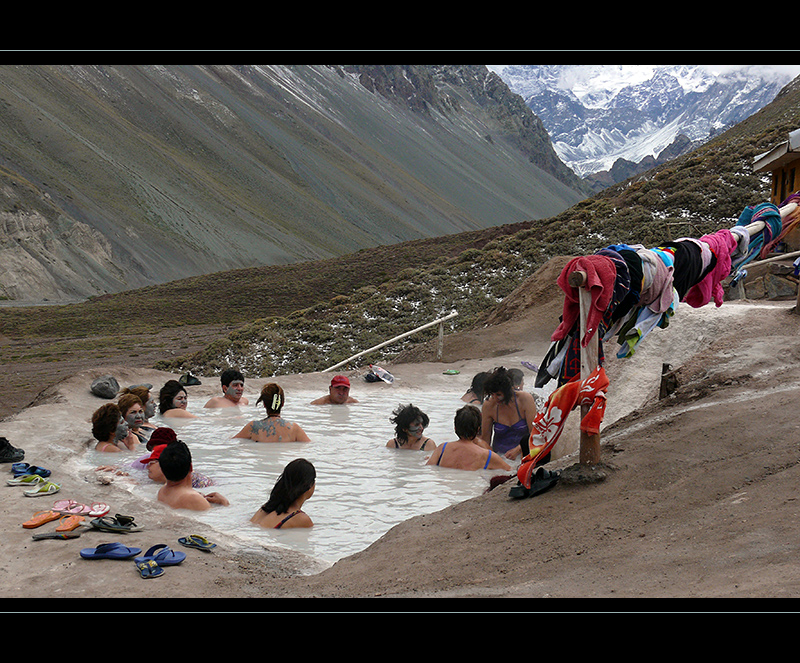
{"points": [[40, 518], [72, 508], [69, 523], [110, 551], [541, 481], [118, 524], [148, 569], [33, 469], [528, 365], [16, 468], [56, 535], [46, 488], [197, 541], [26, 480], [162, 555]]}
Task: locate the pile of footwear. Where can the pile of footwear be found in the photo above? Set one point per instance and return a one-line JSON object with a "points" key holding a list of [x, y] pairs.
{"points": [[33, 478]]}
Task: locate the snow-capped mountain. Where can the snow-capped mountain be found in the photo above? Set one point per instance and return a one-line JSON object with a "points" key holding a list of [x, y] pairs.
{"points": [[599, 114]]}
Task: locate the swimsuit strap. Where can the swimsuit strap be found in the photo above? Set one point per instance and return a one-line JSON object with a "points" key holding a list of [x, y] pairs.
{"points": [[439, 460], [488, 459], [280, 524]]}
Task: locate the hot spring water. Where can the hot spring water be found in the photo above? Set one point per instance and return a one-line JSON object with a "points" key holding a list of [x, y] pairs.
{"points": [[363, 488]]}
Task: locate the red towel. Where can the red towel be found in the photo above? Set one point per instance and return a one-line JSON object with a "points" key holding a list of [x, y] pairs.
{"points": [[601, 275]]}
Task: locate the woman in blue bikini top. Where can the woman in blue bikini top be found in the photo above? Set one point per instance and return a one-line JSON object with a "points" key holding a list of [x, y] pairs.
{"points": [[507, 415], [466, 453]]}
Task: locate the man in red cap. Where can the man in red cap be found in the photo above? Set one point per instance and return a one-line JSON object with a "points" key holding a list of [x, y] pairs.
{"points": [[338, 393]]}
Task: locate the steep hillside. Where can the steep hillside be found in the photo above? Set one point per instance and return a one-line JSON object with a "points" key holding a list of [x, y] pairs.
{"points": [[694, 194], [118, 177]]}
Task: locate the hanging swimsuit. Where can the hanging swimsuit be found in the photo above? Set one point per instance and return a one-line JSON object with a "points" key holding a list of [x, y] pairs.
{"points": [[398, 445], [293, 513], [508, 437], [439, 460]]}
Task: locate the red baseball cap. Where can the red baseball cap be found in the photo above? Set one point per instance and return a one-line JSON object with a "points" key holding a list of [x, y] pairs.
{"points": [[340, 381], [153, 456]]}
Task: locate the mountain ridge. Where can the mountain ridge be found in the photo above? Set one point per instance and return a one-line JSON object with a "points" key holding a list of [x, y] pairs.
{"points": [[164, 172]]}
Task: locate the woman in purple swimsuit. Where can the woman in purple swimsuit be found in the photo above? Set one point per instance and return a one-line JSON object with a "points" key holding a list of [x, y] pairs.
{"points": [[293, 487], [507, 416]]}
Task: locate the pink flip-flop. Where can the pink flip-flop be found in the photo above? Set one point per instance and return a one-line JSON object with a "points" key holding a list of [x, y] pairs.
{"points": [[99, 509], [71, 508]]}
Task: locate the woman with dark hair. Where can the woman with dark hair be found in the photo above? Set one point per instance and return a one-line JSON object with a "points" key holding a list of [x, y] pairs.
{"points": [[110, 429], [507, 415], [172, 400], [293, 487], [475, 394], [409, 423], [466, 453], [273, 428]]}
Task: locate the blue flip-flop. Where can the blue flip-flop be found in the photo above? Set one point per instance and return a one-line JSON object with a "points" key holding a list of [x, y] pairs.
{"points": [[110, 551], [31, 469], [162, 555]]}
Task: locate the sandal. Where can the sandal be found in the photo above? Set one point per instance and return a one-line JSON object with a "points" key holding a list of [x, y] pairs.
{"points": [[69, 523], [110, 551], [46, 488], [25, 480], [40, 518], [162, 555], [149, 569], [73, 508], [118, 524], [197, 541], [33, 469]]}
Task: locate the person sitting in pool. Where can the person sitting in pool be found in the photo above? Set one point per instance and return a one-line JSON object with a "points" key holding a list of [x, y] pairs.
{"points": [[293, 487], [465, 453], [172, 400], [273, 428], [175, 462], [154, 472], [110, 430], [232, 382], [130, 405], [475, 393], [148, 402], [507, 416], [409, 423], [338, 393]]}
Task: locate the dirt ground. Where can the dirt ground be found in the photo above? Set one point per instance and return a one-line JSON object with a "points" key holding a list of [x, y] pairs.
{"points": [[695, 495]]}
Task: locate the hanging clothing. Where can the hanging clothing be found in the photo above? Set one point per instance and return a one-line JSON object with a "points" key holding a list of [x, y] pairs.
{"points": [[722, 243]]}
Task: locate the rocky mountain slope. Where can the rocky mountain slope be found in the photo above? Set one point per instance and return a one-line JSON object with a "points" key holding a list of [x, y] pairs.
{"points": [[610, 122], [118, 177]]}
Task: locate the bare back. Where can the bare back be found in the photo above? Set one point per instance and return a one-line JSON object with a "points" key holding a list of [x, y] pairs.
{"points": [[273, 429]]}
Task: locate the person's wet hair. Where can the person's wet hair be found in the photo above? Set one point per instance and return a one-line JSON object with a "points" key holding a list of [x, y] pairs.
{"points": [[477, 386], [230, 375], [297, 477], [176, 461], [105, 421], [467, 422], [404, 416], [168, 392], [272, 397], [500, 381]]}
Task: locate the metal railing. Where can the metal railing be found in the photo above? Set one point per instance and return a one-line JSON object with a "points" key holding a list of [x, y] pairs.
{"points": [[439, 322]]}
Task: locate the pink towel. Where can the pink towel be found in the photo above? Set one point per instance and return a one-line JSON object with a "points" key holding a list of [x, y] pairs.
{"points": [[723, 243]]}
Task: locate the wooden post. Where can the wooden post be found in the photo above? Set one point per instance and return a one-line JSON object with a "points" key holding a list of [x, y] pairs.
{"points": [[590, 442]]}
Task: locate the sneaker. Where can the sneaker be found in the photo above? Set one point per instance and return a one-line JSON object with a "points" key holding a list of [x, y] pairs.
{"points": [[8, 453]]}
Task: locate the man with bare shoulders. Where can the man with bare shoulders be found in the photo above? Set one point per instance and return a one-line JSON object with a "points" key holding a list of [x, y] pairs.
{"points": [[175, 462], [338, 393], [232, 382]]}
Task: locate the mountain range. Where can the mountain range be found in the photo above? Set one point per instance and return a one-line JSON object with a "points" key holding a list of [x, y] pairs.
{"points": [[118, 177], [609, 122]]}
